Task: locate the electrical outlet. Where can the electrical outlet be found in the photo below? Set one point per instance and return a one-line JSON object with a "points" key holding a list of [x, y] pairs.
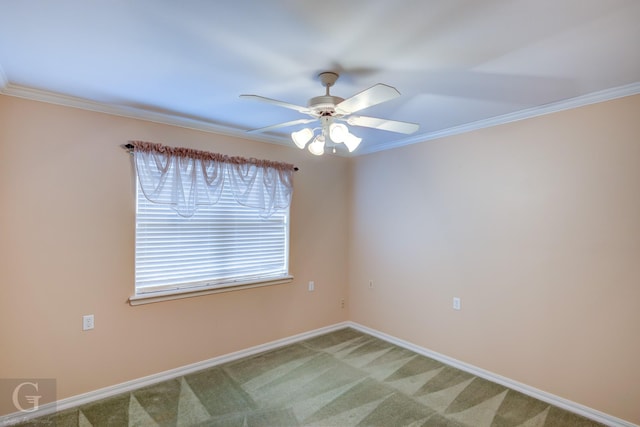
{"points": [[342, 303], [370, 284], [87, 322], [312, 286], [456, 303]]}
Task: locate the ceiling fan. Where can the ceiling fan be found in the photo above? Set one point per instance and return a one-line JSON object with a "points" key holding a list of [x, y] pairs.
{"points": [[333, 112]]}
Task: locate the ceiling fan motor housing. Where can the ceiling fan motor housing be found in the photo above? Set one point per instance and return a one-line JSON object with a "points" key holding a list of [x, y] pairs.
{"points": [[324, 105]]}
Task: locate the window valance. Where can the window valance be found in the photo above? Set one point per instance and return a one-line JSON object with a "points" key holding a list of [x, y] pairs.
{"points": [[185, 178]]}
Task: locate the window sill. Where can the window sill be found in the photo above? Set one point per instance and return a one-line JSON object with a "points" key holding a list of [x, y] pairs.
{"points": [[159, 296]]}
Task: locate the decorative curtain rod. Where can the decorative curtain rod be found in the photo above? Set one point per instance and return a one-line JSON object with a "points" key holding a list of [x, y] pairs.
{"points": [[129, 147]]}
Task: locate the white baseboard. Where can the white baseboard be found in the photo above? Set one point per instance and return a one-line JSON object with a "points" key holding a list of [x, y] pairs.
{"points": [[128, 386], [103, 393], [498, 379]]}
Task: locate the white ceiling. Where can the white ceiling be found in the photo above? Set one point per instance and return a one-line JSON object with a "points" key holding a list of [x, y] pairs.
{"points": [[459, 64]]}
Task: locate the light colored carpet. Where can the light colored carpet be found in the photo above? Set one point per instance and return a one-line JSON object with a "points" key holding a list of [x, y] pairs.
{"points": [[344, 378]]}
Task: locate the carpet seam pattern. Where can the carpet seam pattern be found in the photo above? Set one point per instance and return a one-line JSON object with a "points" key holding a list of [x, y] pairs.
{"points": [[342, 378]]}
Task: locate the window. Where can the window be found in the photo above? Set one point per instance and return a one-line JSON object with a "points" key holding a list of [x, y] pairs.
{"points": [[223, 244]]}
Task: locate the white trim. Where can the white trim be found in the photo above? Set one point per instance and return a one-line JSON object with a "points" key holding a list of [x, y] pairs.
{"points": [[128, 386], [552, 399], [4, 81], [554, 107], [151, 297], [131, 112], [206, 126]]}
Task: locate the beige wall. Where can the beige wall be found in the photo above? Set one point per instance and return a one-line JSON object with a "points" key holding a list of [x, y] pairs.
{"points": [[67, 249], [535, 225]]}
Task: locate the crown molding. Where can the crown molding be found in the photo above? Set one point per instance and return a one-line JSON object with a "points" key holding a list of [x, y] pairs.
{"points": [[4, 81], [567, 104], [10, 89], [127, 111]]}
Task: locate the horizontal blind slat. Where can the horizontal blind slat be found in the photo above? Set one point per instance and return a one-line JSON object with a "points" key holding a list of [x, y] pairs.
{"points": [[221, 242]]}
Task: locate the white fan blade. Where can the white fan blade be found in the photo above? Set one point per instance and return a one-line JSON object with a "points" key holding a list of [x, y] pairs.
{"points": [[282, 125], [299, 108], [367, 98], [384, 124]]}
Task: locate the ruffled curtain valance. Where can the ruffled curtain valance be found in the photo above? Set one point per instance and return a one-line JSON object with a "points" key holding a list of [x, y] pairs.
{"points": [[185, 179]]}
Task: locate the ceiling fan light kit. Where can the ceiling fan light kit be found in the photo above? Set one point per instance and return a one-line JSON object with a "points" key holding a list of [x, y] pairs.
{"points": [[338, 132], [351, 142], [301, 137], [317, 146], [330, 110]]}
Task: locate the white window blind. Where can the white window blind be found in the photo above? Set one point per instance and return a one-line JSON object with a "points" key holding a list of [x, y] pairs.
{"points": [[221, 245]]}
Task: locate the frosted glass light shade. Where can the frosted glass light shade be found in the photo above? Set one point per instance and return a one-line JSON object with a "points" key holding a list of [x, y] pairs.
{"points": [[301, 137], [317, 146], [338, 132], [352, 142]]}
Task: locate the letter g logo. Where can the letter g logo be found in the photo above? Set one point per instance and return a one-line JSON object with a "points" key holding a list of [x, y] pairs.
{"points": [[33, 399]]}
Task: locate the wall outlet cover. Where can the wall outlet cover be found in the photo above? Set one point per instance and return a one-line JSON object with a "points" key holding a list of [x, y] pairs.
{"points": [[87, 322]]}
